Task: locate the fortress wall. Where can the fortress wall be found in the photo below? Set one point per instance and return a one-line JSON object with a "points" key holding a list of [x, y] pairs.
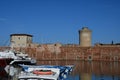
{"points": [[71, 53]]}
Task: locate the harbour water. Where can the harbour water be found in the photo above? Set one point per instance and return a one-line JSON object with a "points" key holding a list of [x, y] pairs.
{"points": [[83, 70], [95, 70]]}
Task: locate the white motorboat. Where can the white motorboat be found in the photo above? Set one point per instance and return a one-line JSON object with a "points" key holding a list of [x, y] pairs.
{"points": [[40, 74], [22, 58], [6, 57], [28, 68], [63, 71], [10, 57]]}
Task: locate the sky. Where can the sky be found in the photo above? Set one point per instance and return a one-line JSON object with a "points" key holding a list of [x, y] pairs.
{"points": [[58, 21]]}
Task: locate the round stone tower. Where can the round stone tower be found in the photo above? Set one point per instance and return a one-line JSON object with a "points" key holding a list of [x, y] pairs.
{"points": [[85, 37]]}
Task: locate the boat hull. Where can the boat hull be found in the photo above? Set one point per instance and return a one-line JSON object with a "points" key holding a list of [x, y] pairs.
{"points": [[5, 61]]}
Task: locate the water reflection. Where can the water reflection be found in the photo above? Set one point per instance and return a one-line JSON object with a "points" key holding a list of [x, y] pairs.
{"points": [[95, 70]]}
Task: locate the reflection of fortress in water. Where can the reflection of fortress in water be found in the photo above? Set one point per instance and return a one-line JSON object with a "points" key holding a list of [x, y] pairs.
{"points": [[106, 68], [98, 70]]}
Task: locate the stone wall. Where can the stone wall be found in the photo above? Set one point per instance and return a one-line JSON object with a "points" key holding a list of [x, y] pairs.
{"points": [[71, 52]]}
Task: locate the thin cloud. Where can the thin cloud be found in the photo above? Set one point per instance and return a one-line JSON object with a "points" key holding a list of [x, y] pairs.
{"points": [[3, 19]]}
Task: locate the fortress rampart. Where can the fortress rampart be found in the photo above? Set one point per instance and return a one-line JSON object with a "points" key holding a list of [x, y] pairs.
{"points": [[71, 52]]}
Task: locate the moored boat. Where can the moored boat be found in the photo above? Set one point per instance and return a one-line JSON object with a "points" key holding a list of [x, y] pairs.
{"points": [[28, 68], [10, 57], [40, 74], [5, 58], [22, 58], [46, 70]]}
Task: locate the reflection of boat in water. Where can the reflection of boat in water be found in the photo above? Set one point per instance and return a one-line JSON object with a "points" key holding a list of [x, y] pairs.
{"points": [[44, 72]]}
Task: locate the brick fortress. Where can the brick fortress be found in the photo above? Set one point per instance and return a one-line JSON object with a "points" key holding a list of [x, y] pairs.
{"points": [[82, 51]]}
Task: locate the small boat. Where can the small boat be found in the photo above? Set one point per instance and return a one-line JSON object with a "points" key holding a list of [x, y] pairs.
{"points": [[47, 70], [65, 69], [6, 57], [40, 74], [22, 58], [10, 57]]}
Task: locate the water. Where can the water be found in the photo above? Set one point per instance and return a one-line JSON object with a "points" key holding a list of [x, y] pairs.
{"points": [[84, 70]]}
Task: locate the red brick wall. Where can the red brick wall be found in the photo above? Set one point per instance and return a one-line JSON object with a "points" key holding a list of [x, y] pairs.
{"points": [[74, 53]]}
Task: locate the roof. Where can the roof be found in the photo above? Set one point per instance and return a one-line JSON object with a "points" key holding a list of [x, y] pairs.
{"points": [[21, 35], [84, 29]]}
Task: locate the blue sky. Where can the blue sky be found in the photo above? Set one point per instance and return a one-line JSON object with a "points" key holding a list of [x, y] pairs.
{"points": [[51, 21]]}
